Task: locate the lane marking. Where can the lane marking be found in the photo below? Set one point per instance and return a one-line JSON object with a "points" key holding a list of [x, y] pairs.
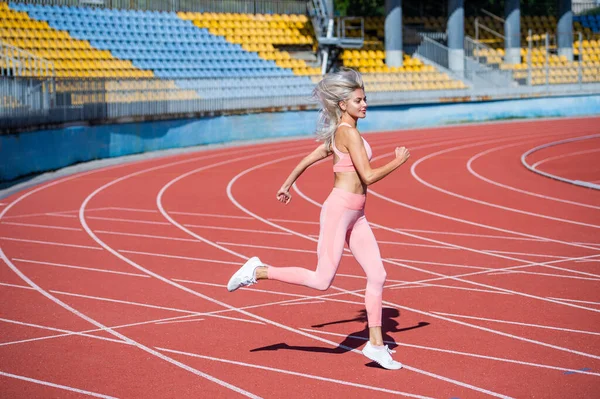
{"points": [[495, 251], [413, 172], [59, 244], [517, 323], [59, 213], [543, 274], [180, 257], [295, 373], [237, 229], [301, 303], [37, 262], [231, 244], [70, 332], [578, 301], [417, 245], [440, 264], [42, 226], [53, 385], [423, 285], [577, 371], [477, 156], [120, 233], [570, 154], [451, 233], [453, 352], [214, 215]]}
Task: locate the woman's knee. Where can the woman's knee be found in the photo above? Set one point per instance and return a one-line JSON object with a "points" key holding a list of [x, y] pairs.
{"points": [[322, 282], [377, 278]]}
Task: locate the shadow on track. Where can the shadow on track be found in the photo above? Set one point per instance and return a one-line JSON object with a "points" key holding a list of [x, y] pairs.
{"points": [[355, 339]]}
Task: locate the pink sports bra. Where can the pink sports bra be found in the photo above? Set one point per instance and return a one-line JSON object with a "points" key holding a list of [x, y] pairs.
{"points": [[345, 162]]}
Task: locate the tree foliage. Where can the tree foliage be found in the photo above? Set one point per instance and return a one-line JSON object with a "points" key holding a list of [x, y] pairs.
{"points": [[365, 8]]}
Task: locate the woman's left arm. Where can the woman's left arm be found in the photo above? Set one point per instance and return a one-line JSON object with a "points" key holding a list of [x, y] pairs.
{"points": [[321, 152]]}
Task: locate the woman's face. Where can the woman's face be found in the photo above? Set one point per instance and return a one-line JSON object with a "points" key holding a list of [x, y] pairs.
{"points": [[356, 105]]}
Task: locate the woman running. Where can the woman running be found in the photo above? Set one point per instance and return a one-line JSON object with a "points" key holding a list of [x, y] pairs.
{"points": [[343, 101]]}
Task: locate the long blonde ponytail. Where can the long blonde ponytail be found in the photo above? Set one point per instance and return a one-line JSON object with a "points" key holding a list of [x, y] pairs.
{"points": [[333, 88]]}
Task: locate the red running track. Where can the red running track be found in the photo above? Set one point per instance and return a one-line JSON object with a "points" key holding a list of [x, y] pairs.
{"points": [[113, 280]]}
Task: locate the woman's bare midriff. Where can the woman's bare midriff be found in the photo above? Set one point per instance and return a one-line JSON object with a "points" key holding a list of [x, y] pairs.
{"points": [[349, 181]]}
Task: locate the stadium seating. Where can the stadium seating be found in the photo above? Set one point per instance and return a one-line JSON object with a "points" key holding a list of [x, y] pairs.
{"points": [[258, 33], [152, 44]]}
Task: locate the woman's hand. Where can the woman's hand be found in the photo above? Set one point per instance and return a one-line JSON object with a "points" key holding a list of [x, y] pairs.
{"points": [[283, 195], [402, 154]]}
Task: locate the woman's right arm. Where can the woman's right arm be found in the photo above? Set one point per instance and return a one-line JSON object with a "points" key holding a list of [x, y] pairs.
{"points": [[321, 152], [358, 154]]}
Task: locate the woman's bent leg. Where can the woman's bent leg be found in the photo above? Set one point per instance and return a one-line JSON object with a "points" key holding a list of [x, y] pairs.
{"points": [[335, 219], [364, 247]]}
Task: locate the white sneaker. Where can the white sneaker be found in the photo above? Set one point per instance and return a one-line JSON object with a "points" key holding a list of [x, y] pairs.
{"points": [[245, 275], [382, 356]]}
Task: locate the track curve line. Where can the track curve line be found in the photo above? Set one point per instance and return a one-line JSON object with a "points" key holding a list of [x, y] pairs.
{"points": [[505, 186], [546, 174], [466, 198]]}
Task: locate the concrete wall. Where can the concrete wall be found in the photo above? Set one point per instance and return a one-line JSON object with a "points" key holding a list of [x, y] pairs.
{"points": [[35, 152]]}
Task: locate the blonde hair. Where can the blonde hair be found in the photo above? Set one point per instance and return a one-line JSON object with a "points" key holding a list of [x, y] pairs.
{"points": [[335, 87]]}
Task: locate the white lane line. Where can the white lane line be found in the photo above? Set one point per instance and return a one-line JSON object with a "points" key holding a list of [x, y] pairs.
{"points": [[294, 373], [37, 262], [547, 197], [570, 154], [432, 186], [452, 233], [587, 260], [140, 221], [213, 215], [53, 385], [42, 226], [494, 251], [405, 284], [301, 303], [440, 264], [294, 221], [237, 229], [59, 213], [578, 301], [429, 348], [417, 245], [460, 316], [17, 286], [242, 288], [70, 332], [235, 244], [388, 280], [231, 244], [180, 257], [543, 274], [120, 233], [424, 285], [59, 244]]}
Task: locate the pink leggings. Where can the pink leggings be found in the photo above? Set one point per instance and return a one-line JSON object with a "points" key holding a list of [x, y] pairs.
{"points": [[342, 220]]}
